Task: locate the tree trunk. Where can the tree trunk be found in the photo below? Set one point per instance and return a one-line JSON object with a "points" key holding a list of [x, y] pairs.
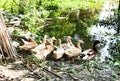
{"points": [[118, 29]]}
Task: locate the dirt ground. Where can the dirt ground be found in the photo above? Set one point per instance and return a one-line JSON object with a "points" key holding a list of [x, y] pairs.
{"points": [[58, 71]]}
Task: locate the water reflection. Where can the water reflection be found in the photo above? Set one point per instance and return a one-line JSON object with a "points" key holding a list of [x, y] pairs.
{"points": [[86, 38]]}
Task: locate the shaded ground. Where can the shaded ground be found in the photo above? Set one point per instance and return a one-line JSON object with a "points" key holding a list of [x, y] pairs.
{"points": [[59, 71]]}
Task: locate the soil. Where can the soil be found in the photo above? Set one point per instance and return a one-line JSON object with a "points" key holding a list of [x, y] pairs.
{"points": [[59, 71]]}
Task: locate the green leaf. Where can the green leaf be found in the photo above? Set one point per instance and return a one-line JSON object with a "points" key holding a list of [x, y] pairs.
{"points": [[117, 64]]}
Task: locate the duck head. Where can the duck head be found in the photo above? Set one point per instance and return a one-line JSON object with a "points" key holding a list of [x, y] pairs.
{"points": [[31, 40], [81, 41], [53, 38], [96, 42], [69, 40]]}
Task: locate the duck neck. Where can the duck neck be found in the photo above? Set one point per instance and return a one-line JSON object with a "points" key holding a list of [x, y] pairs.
{"points": [[94, 47], [59, 42], [79, 46], [70, 42], [44, 40], [52, 40], [33, 41]]}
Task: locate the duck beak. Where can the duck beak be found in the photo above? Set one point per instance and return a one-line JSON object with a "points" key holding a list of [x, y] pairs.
{"points": [[71, 38], [83, 42], [55, 39]]}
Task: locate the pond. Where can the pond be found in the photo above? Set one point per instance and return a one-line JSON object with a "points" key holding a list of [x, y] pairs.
{"points": [[81, 29]]}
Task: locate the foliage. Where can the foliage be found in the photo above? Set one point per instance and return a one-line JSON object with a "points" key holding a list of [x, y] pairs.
{"points": [[117, 62], [60, 28], [36, 11], [79, 14]]}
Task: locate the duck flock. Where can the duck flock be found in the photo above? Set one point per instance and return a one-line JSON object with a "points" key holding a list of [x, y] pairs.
{"points": [[66, 49]]}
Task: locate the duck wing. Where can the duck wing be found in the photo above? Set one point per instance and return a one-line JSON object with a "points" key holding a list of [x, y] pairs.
{"points": [[72, 52], [87, 51], [58, 53], [39, 47]]}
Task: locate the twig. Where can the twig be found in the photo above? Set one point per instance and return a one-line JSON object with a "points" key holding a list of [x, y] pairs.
{"points": [[73, 77], [53, 73], [60, 18], [39, 76], [43, 70]]}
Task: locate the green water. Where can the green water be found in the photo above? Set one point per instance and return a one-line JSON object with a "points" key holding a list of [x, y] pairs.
{"points": [[61, 28]]}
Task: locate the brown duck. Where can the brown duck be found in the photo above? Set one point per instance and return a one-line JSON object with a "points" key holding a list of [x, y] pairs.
{"points": [[74, 51], [59, 51], [30, 44]]}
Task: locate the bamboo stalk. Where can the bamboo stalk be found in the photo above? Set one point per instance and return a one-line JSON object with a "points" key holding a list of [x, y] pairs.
{"points": [[5, 40]]}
